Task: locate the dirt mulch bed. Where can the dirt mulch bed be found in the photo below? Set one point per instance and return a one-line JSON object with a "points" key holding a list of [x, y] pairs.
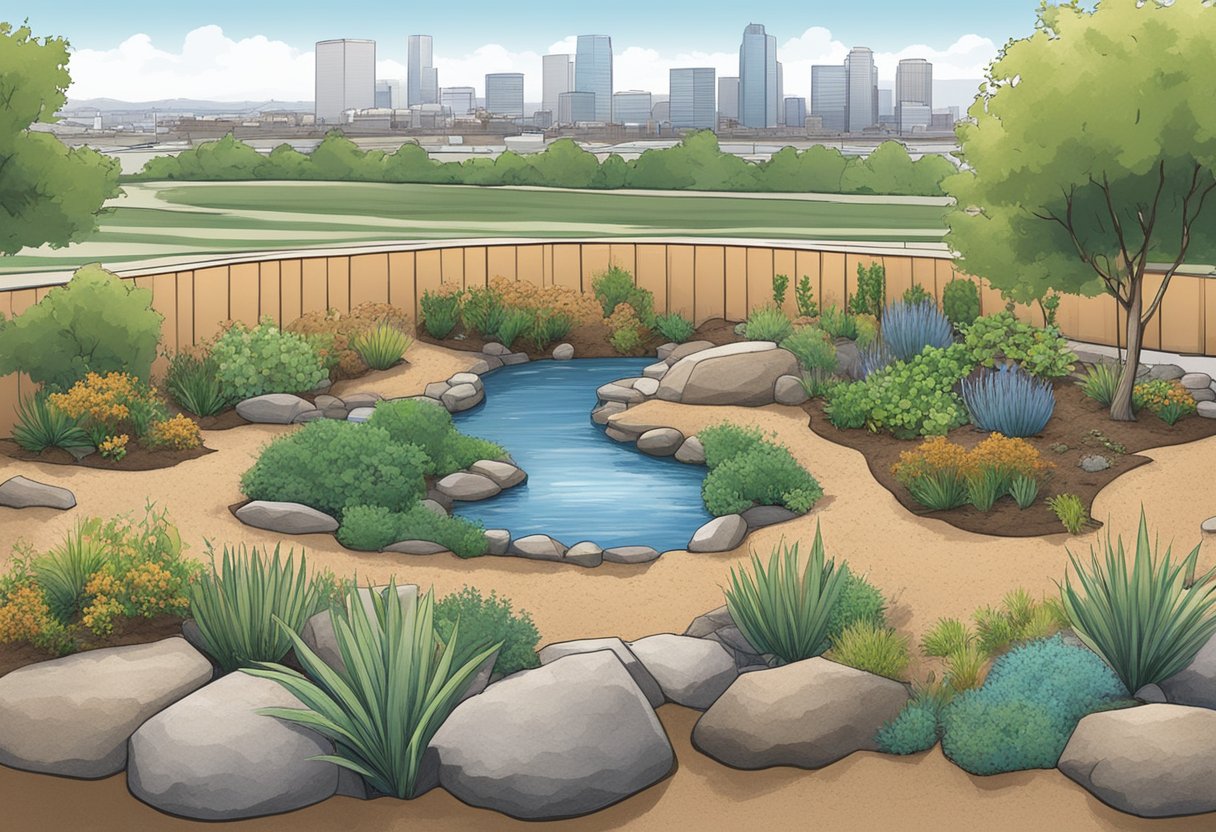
{"points": [[588, 340], [126, 631], [1079, 423], [138, 458]]}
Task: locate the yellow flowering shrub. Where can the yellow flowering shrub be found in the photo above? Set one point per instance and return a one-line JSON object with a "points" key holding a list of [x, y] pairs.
{"points": [[26, 617], [146, 589], [105, 405], [1017, 456], [938, 454], [1158, 394], [100, 613], [521, 294], [626, 328], [180, 433], [114, 447]]}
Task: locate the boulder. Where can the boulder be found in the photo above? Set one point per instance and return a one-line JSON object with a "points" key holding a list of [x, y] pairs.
{"points": [[630, 554], [434, 507], [481, 366], [645, 682], [1093, 463], [614, 392], [665, 350], [285, 518], [602, 413], [585, 553], [789, 390], [19, 492], [757, 517], [512, 358], [563, 352], [466, 378], [364, 398], [498, 541], [719, 535], [1207, 409], [1195, 381], [73, 716], [718, 626], [617, 435], [646, 386], [692, 672], [1153, 761], [462, 397], [318, 631], [660, 441], [807, 714], [504, 474], [435, 389], [1196, 683], [538, 547], [1204, 394], [1166, 372], [691, 451], [848, 358], [326, 401], [465, 486], [734, 374], [496, 349], [273, 408], [559, 741], [212, 756], [360, 414], [655, 371], [414, 547], [684, 350]]}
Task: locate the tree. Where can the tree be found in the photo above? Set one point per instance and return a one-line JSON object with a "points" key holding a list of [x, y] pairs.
{"points": [[1091, 155], [49, 194]]}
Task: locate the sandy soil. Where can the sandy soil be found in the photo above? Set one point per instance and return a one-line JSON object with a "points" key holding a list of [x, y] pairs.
{"points": [[929, 568]]}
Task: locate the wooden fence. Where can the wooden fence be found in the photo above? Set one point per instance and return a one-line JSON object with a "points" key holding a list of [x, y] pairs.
{"points": [[699, 279]]}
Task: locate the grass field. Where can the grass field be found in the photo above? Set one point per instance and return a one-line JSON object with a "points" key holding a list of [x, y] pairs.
{"points": [[178, 219]]}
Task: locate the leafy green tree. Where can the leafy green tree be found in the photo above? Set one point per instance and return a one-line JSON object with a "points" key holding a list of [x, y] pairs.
{"points": [[411, 163], [564, 164], [613, 173], [49, 194], [887, 170], [338, 158], [284, 162], [815, 170], [1091, 155]]}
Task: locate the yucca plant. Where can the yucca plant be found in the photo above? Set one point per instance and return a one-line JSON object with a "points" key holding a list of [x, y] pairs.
{"points": [[985, 487], [907, 328], [1009, 401], [1145, 620], [64, 571], [940, 490], [1100, 381], [1024, 490], [784, 609], [382, 346], [398, 685], [236, 605], [194, 384], [40, 425]]}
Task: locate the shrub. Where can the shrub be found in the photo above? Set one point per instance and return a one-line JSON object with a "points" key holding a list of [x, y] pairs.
{"points": [[781, 283], [941, 474], [871, 295], [179, 433], [785, 609], [814, 350], [398, 685], [1168, 400], [489, 619], [1100, 381], [368, 528], [483, 312], [333, 465], [907, 329], [430, 429], [1070, 511], [547, 327], [25, 617], [104, 406], [515, 323], [961, 302], [838, 324], [522, 294], [1148, 622], [382, 347], [1024, 490], [1002, 337], [914, 729], [372, 528], [41, 425], [768, 323], [725, 441], [804, 296], [766, 474], [874, 649], [235, 606], [64, 572], [1019, 618], [1032, 700], [626, 329], [859, 602], [1009, 401], [985, 487], [335, 333], [96, 323], [252, 362], [440, 312], [674, 327], [940, 490], [194, 383], [616, 286], [917, 295]]}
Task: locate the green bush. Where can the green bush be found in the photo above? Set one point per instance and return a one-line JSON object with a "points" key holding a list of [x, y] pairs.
{"points": [[859, 601], [430, 429], [65, 570], [382, 347], [871, 295], [916, 295], [372, 528], [1040, 352], [490, 619], [1100, 381], [515, 323], [96, 323], [838, 324], [616, 286], [748, 470], [814, 350], [781, 283], [804, 296], [725, 441], [194, 383], [914, 729], [252, 362], [334, 465], [767, 323], [368, 528], [961, 303], [483, 312], [674, 327], [874, 649], [1070, 511], [626, 340], [440, 312], [41, 425], [547, 327]]}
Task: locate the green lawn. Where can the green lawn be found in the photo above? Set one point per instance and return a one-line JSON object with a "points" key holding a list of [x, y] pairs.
{"points": [[166, 220]]}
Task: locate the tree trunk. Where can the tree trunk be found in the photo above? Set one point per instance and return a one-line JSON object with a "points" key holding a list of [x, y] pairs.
{"points": [[1121, 409]]}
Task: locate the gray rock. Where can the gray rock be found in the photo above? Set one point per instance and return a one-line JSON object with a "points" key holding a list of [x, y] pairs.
{"points": [[741, 329], [285, 518], [1151, 694], [492, 362], [325, 401], [19, 492], [1196, 683], [1166, 372], [79, 452], [481, 367], [212, 756], [718, 626], [360, 414], [1093, 464], [498, 541], [1195, 381], [585, 553], [719, 535], [807, 714], [1207, 410], [436, 389], [641, 676], [513, 358], [692, 672], [848, 358], [646, 386], [615, 393], [757, 517], [665, 350], [600, 414], [496, 349], [465, 486], [338, 413], [273, 408], [318, 631], [194, 636], [617, 435], [414, 547], [315, 416], [735, 374], [630, 554], [710, 622], [462, 397], [1152, 761], [364, 398], [684, 350], [789, 391], [568, 738], [660, 441], [73, 716], [691, 451], [1204, 394], [322, 386], [481, 679], [655, 371], [538, 547], [439, 497], [466, 378], [563, 352], [434, 507], [502, 473], [1208, 525]]}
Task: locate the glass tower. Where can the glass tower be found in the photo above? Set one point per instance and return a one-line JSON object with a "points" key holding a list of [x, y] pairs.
{"points": [[593, 72], [758, 78], [863, 89], [631, 107], [557, 74], [345, 78], [913, 86], [505, 94], [829, 97], [422, 79], [692, 98]]}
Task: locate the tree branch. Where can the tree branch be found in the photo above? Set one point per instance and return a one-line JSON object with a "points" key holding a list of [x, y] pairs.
{"points": [[1184, 241]]}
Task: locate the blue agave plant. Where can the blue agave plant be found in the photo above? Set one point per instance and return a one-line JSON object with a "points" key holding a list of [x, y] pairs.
{"points": [[1009, 401], [907, 328]]}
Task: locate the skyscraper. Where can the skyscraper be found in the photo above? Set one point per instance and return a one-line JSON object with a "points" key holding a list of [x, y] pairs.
{"points": [[459, 101], [593, 72], [631, 107], [913, 86], [830, 96], [422, 79], [863, 89], [795, 112], [780, 93], [728, 98], [575, 107], [757, 78], [692, 98], [388, 94], [505, 94], [557, 73], [345, 78]]}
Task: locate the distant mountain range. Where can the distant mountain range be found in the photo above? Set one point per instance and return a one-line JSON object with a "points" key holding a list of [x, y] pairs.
{"points": [[192, 105]]}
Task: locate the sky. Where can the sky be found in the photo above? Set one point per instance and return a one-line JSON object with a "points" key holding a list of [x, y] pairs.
{"points": [[230, 51]]}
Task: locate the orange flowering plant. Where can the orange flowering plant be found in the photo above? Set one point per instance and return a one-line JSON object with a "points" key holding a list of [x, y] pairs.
{"points": [[110, 405]]}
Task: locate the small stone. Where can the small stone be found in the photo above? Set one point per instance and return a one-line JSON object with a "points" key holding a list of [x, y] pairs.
{"points": [[436, 389], [496, 349], [757, 517], [1166, 372], [1204, 394], [435, 495], [325, 401], [618, 435], [272, 409], [1195, 381], [789, 391], [1207, 410], [630, 554], [360, 414], [492, 362], [691, 452], [655, 371], [616, 393], [686, 349], [480, 367], [312, 416], [719, 535], [503, 473], [414, 547], [19, 492], [538, 547], [646, 386], [600, 414], [365, 398], [1093, 464], [465, 378], [563, 352], [1151, 694], [498, 541], [512, 358], [1209, 525], [285, 518], [665, 350], [338, 413], [322, 386], [585, 553], [660, 441], [465, 486], [463, 397]]}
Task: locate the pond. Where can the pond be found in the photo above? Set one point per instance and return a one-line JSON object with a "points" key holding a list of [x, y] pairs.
{"points": [[581, 484]]}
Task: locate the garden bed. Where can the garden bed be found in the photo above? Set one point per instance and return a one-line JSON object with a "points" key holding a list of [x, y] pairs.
{"points": [[1072, 425], [138, 458], [127, 631]]}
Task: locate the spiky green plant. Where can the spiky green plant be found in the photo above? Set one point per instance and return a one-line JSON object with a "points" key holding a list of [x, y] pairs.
{"points": [[398, 685], [1024, 490], [236, 605], [1146, 620], [947, 636], [1100, 381], [674, 327], [985, 487], [1070, 511], [383, 346], [194, 383], [514, 324], [966, 668], [785, 609], [40, 425], [64, 571], [940, 490], [874, 649], [768, 323]]}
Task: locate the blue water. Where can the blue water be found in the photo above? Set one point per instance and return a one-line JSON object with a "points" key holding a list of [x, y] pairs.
{"points": [[581, 485]]}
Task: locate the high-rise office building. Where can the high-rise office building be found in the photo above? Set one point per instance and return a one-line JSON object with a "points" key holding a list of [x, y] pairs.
{"points": [[631, 107], [780, 93], [575, 107], [345, 78], [913, 86], [863, 89], [505, 94], [757, 78], [692, 98], [422, 79], [557, 77], [728, 98], [914, 117], [886, 103], [593, 72], [830, 96], [795, 112], [459, 101], [388, 94]]}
